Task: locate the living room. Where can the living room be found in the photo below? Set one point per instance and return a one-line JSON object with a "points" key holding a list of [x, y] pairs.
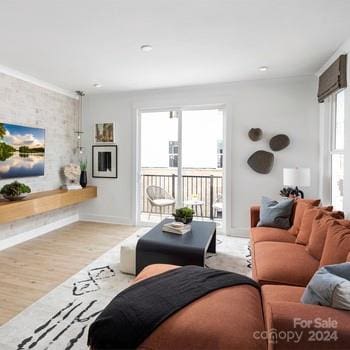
{"points": [[109, 126]]}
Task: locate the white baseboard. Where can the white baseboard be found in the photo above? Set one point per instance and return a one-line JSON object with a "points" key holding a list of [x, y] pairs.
{"points": [[239, 232], [105, 219], [25, 236]]}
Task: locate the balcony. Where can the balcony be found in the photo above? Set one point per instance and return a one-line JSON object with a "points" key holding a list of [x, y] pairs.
{"points": [[204, 191]]}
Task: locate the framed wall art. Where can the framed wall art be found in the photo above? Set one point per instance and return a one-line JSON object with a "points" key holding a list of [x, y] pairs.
{"points": [[104, 133], [105, 161], [22, 151]]}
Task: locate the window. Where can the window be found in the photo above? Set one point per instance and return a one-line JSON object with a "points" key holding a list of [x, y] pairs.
{"points": [[337, 149], [173, 154], [220, 154]]}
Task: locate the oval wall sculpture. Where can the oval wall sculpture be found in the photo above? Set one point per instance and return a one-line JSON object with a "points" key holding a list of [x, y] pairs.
{"points": [[279, 142], [255, 134], [261, 161]]}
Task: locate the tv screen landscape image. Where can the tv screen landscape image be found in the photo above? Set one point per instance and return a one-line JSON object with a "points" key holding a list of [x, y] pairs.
{"points": [[22, 151]]}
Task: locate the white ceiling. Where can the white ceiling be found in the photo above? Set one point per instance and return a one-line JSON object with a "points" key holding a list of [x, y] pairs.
{"points": [[75, 43]]}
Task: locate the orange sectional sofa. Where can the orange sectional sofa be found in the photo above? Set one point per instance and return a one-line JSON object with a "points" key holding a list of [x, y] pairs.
{"points": [[283, 262], [241, 317]]}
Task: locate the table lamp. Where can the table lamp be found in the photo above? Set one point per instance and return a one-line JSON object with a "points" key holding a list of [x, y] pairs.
{"points": [[294, 177]]}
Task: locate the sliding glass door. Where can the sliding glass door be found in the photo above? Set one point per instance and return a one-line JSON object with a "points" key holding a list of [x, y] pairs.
{"points": [[181, 163]]}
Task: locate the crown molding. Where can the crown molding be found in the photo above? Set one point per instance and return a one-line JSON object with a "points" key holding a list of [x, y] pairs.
{"points": [[30, 79]]}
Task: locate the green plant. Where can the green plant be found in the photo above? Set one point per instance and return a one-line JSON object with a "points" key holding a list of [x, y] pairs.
{"points": [[83, 165], [15, 189], [185, 213]]}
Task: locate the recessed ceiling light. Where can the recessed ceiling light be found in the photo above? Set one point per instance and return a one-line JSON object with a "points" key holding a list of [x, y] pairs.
{"points": [[97, 85], [146, 48], [263, 68]]}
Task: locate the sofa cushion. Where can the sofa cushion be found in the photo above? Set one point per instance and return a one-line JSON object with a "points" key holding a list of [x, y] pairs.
{"points": [[313, 324], [283, 263], [263, 234], [298, 211], [330, 286], [208, 323], [337, 245], [275, 214], [319, 232], [271, 293], [309, 215]]}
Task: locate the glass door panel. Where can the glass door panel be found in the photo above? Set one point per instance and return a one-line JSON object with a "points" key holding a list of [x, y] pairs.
{"points": [[202, 162], [159, 152]]}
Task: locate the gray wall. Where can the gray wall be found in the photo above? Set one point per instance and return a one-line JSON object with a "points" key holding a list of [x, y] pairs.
{"points": [[30, 105]]}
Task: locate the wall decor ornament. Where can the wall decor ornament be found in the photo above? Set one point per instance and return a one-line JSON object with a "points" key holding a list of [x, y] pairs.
{"points": [[105, 161], [104, 133], [279, 142], [22, 151], [255, 134], [261, 161]]}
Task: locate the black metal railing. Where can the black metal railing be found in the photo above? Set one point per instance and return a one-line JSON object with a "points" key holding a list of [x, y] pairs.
{"points": [[207, 189]]}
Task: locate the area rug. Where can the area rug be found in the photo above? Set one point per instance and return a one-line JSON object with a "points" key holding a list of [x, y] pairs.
{"points": [[60, 320]]}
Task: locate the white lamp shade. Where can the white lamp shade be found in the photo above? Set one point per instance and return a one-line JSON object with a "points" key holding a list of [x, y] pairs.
{"points": [[296, 177]]}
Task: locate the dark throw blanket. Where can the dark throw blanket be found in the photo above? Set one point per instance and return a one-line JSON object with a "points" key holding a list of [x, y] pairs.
{"points": [[138, 310]]}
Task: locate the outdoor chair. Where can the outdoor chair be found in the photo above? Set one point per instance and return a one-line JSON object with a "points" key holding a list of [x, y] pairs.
{"points": [[160, 198], [217, 206]]}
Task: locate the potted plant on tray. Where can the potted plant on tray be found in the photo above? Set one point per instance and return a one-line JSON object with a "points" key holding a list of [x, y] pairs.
{"points": [[184, 215], [15, 191]]}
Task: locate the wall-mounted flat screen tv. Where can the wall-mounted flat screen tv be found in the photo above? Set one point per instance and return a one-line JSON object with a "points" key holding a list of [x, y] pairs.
{"points": [[22, 151]]}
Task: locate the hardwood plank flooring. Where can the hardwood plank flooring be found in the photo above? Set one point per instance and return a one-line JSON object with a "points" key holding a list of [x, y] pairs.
{"points": [[30, 270]]}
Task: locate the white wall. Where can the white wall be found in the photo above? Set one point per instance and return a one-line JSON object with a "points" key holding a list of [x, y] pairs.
{"points": [[344, 49], [277, 106]]}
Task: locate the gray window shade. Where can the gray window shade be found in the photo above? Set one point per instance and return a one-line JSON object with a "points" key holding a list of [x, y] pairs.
{"points": [[333, 79]]}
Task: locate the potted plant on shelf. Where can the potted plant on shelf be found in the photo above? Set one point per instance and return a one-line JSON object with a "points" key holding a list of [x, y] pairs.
{"points": [[184, 215], [83, 174], [15, 191]]}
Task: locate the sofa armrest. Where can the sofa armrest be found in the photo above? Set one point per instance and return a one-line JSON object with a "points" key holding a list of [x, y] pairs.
{"points": [[300, 326], [254, 215]]}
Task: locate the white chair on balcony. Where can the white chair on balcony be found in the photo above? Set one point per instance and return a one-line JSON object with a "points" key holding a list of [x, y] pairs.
{"points": [[218, 206], [160, 198]]}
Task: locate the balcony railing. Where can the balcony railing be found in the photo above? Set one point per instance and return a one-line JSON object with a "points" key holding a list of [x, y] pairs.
{"points": [[207, 189]]}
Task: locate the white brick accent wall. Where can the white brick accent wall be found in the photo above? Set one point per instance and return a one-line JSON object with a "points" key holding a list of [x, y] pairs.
{"points": [[27, 104]]}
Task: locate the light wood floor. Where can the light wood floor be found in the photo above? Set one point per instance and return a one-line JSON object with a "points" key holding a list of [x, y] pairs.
{"points": [[30, 270]]}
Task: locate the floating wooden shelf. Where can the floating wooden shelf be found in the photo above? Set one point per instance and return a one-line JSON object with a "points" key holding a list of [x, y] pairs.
{"points": [[42, 202]]}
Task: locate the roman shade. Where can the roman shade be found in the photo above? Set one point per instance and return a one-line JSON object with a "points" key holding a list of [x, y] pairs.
{"points": [[333, 79]]}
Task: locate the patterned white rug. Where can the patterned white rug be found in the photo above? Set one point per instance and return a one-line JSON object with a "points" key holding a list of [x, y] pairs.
{"points": [[60, 320]]}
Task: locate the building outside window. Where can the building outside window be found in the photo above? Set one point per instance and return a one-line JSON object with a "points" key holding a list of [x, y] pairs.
{"points": [[337, 149], [220, 154], [173, 154]]}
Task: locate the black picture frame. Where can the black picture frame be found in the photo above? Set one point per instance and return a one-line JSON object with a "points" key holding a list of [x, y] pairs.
{"points": [[113, 160]]}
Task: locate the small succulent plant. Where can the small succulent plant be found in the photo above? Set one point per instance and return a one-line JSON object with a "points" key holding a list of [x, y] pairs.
{"points": [[15, 189]]}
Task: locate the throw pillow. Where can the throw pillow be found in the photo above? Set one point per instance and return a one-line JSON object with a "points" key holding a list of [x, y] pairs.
{"points": [[306, 224], [337, 245], [330, 286], [319, 231], [275, 214], [298, 211]]}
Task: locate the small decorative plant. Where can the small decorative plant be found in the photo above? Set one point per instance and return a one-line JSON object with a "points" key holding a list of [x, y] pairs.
{"points": [[15, 191], [184, 215], [83, 165]]}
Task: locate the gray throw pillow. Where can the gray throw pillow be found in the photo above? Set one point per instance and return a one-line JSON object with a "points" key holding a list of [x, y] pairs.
{"points": [[330, 286], [275, 214]]}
